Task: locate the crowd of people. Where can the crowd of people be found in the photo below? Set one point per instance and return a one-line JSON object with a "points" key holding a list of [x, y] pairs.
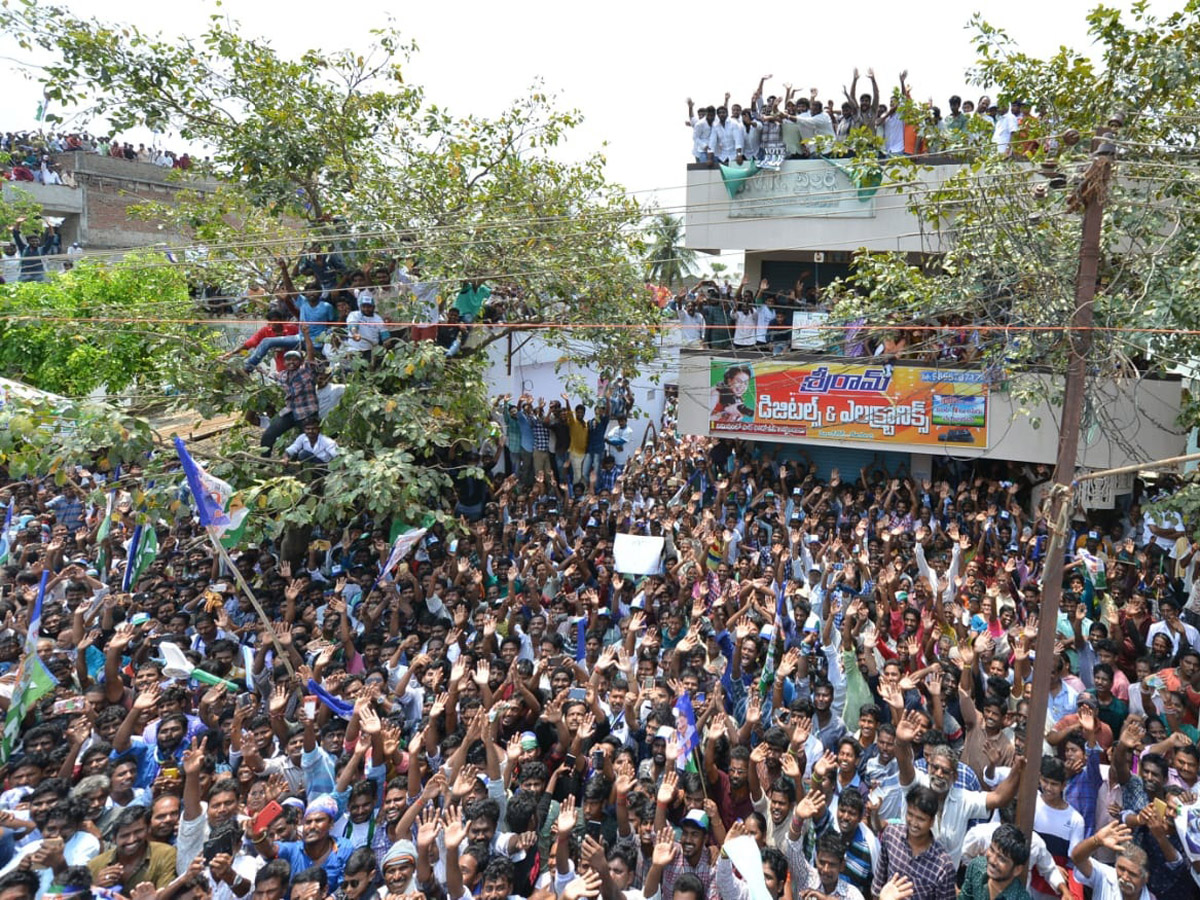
{"points": [[723, 317], [31, 154], [820, 690], [774, 127]]}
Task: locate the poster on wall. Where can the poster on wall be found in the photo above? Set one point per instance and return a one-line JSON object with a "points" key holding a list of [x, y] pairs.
{"points": [[880, 403]]}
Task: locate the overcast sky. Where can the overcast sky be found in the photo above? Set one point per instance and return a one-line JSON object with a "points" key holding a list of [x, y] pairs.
{"points": [[628, 66]]}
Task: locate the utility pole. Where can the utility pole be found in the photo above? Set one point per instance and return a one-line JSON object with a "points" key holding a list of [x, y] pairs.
{"points": [[1089, 197]]}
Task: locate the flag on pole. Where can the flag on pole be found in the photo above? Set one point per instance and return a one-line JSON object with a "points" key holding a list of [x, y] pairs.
{"points": [[5, 539], [685, 731], [212, 495], [143, 549], [238, 514], [127, 578], [102, 532], [400, 549], [34, 681]]}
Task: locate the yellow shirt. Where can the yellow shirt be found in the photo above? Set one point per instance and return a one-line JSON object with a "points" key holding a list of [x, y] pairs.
{"points": [[579, 434]]}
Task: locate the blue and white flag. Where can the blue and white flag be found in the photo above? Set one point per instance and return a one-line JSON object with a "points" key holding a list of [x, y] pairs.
{"points": [[211, 495], [5, 532], [400, 549], [685, 731], [34, 681]]}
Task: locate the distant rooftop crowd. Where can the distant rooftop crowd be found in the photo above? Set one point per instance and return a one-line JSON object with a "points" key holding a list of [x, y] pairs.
{"points": [[772, 128], [31, 154]]}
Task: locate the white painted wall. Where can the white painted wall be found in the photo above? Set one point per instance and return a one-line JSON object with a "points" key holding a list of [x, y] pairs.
{"points": [[545, 371]]}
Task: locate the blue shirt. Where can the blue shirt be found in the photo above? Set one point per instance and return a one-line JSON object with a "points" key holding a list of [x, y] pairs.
{"points": [[334, 865], [317, 312], [149, 761]]}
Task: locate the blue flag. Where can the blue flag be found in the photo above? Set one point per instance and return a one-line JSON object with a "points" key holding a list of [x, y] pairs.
{"points": [[338, 707], [210, 494], [131, 559], [581, 639], [5, 540], [685, 729]]}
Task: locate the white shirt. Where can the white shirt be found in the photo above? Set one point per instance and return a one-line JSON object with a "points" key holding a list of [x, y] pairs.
{"points": [[702, 137], [10, 268], [959, 808], [745, 327], [819, 122], [1193, 636], [77, 851], [368, 328], [692, 327], [728, 139], [1003, 131], [765, 317], [324, 449], [752, 139], [620, 453], [328, 396], [1103, 882], [893, 134]]}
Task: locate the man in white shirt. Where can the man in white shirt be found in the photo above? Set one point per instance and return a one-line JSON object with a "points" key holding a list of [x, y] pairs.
{"points": [[364, 328], [728, 138], [619, 441], [1126, 879], [312, 446], [745, 325], [63, 843], [702, 133], [691, 322], [1006, 125]]}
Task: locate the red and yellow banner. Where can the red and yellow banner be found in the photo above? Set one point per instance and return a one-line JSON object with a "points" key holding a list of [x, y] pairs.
{"points": [[881, 403]]}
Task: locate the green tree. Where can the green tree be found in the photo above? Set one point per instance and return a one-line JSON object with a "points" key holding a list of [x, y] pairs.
{"points": [[668, 260], [338, 150], [1004, 234], [99, 326]]}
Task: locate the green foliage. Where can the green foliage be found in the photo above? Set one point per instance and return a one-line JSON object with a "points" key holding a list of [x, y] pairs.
{"points": [[93, 327], [1005, 232], [338, 149]]}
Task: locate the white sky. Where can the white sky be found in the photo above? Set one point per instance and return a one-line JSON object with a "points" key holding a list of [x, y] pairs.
{"points": [[628, 66]]}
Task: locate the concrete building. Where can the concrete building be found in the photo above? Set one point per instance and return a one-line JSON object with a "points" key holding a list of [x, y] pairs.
{"points": [[96, 211], [800, 226]]}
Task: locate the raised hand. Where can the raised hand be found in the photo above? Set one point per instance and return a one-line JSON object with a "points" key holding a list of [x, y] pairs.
{"points": [[193, 757], [1114, 835], [811, 806], [429, 828], [665, 848], [898, 887], [666, 790]]}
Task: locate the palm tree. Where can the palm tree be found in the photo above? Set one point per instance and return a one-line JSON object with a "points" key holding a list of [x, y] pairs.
{"points": [[668, 261]]}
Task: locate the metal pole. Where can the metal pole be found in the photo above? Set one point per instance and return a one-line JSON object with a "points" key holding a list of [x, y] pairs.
{"points": [[237, 576], [1091, 195]]}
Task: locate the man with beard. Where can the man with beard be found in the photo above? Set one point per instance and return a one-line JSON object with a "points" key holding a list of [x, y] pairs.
{"points": [[883, 774], [998, 874], [730, 790], [134, 858], [956, 806], [399, 868], [1126, 879], [691, 855], [318, 847], [169, 744]]}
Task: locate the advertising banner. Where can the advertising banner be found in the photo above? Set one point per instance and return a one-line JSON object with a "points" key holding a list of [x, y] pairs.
{"points": [[881, 403]]}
